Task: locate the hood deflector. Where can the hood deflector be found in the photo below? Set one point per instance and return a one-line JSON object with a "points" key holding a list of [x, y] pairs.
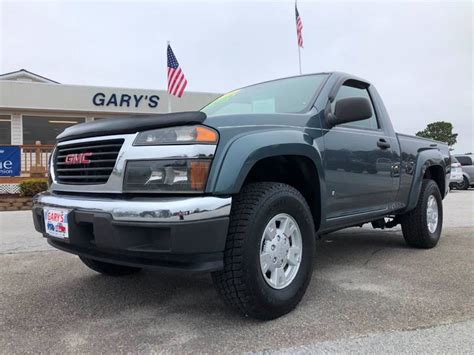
{"points": [[130, 124]]}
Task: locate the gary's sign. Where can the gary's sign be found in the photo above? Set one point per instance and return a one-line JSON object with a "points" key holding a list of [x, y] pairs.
{"points": [[10, 161], [125, 100]]}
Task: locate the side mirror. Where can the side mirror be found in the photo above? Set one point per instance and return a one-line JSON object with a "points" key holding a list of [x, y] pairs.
{"points": [[349, 110]]}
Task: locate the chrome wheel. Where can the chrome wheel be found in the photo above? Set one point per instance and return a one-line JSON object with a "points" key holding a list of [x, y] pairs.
{"points": [[432, 214], [280, 251]]}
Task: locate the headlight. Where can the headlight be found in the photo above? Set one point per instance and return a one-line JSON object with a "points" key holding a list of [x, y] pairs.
{"points": [[177, 135], [183, 175]]}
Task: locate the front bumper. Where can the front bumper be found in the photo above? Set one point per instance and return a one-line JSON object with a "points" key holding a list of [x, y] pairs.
{"points": [[175, 232]]}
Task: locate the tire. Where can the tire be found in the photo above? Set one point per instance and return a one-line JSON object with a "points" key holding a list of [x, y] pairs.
{"points": [[109, 269], [415, 224], [242, 283], [464, 185]]}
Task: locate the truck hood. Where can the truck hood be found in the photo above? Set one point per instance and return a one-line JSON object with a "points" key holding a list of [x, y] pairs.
{"points": [[130, 124]]}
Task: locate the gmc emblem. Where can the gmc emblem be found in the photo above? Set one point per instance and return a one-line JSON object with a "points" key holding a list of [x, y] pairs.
{"points": [[75, 159]]}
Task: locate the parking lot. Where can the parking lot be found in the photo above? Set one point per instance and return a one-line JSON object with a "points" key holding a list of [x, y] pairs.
{"points": [[369, 293]]}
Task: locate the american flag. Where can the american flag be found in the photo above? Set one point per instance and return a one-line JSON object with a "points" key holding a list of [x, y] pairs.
{"points": [[299, 28], [176, 80]]}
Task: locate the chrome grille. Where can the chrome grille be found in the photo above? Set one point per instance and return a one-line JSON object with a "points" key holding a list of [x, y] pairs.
{"points": [[87, 163]]}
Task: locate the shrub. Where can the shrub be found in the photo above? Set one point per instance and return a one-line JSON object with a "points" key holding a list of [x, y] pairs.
{"points": [[31, 187]]}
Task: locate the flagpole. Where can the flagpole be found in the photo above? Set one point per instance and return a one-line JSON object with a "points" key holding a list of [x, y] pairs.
{"points": [[169, 95], [299, 57]]}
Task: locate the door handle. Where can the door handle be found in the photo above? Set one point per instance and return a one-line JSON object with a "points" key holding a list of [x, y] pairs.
{"points": [[383, 144]]}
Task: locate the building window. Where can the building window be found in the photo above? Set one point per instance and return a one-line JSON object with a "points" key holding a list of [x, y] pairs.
{"points": [[5, 130], [46, 129]]}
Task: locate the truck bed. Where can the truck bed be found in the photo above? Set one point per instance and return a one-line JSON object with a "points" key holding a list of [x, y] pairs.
{"points": [[413, 144]]}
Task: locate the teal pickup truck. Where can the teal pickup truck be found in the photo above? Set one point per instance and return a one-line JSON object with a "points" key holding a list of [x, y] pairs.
{"points": [[243, 187]]}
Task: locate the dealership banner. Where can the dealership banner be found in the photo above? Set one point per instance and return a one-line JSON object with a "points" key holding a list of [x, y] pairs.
{"points": [[10, 160]]}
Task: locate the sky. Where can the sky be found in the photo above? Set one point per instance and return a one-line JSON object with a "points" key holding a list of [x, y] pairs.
{"points": [[418, 54]]}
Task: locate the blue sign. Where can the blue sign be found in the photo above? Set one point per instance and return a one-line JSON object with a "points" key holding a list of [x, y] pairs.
{"points": [[10, 160]]}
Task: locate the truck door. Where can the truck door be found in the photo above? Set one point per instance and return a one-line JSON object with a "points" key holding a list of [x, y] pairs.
{"points": [[358, 160]]}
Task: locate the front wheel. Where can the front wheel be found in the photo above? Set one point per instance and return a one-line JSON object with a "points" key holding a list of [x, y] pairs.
{"points": [[421, 227], [269, 251]]}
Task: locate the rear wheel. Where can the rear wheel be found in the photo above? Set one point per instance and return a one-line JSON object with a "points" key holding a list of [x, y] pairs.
{"points": [[464, 185], [109, 269], [269, 251], [422, 226]]}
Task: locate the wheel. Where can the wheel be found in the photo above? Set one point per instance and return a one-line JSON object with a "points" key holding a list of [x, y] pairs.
{"points": [[464, 185], [421, 227], [109, 269], [268, 258]]}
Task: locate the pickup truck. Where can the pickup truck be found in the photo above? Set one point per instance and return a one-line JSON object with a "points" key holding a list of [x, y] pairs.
{"points": [[243, 187]]}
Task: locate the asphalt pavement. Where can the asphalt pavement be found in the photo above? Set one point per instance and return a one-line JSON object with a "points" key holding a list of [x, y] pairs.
{"points": [[369, 294]]}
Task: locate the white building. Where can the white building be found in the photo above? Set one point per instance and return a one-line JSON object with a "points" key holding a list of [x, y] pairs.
{"points": [[36, 109]]}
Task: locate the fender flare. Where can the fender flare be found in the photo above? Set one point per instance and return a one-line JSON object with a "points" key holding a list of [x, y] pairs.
{"points": [[425, 159], [236, 160]]}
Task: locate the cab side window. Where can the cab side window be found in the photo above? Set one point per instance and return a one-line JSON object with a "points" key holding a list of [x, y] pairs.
{"points": [[349, 91]]}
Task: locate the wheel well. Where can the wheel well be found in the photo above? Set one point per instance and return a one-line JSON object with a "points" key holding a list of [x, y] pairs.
{"points": [[294, 170], [436, 173]]}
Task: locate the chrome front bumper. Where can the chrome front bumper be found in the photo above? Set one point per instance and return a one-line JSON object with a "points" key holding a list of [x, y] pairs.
{"points": [[143, 209], [187, 233]]}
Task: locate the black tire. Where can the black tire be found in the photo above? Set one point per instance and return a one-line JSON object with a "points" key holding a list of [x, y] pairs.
{"points": [[109, 269], [414, 223], [241, 283], [464, 185]]}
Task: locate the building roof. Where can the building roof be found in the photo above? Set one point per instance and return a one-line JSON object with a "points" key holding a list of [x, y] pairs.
{"points": [[25, 75]]}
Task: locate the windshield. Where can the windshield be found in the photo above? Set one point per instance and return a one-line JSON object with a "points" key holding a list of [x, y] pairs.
{"points": [[291, 95]]}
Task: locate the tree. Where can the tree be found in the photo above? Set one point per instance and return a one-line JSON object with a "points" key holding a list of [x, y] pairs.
{"points": [[440, 131]]}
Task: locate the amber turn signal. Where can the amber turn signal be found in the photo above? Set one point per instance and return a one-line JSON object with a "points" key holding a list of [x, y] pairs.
{"points": [[199, 169], [205, 135]]}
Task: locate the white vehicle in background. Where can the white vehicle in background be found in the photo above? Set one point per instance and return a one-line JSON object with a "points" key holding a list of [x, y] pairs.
{"points": [[456, 176], [467, 166]]}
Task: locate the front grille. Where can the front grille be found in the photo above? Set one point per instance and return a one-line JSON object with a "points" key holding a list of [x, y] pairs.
{"points": [[87, 163]]}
